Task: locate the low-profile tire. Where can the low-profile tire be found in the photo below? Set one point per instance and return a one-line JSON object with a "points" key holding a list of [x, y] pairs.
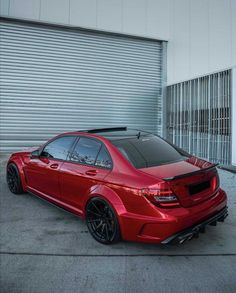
{"points": [[13, 179], [102, 221]]}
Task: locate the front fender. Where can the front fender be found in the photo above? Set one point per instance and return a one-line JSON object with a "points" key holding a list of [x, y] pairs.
{"points": [[18, 161]]}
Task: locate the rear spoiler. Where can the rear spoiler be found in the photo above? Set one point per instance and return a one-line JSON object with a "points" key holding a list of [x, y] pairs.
{"points": [[191, 173]]}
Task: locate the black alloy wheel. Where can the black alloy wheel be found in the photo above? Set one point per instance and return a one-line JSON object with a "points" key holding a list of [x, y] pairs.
{"points": [[13, 179], [102, 221]]}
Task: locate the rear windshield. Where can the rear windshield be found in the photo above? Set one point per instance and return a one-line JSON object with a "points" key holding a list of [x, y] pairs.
{"points": [[148, 151]]}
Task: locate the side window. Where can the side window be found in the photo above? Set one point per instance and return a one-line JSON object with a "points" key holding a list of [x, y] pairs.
{"points": [[86, 151], [103, 159], [58, 148]]}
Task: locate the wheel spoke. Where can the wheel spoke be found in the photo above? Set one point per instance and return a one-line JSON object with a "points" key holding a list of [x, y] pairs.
{"points": [[10, 171], [98, 226], [103, 226], [94, 220], [98, 215], [96, 208], [107, 234], [109, 225]]}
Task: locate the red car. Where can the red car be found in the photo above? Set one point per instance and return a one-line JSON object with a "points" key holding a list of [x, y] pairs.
{"points": [[127, 184]]}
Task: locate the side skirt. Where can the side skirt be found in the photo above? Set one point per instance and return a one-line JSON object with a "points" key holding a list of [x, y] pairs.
{"points": [[56, 202]]}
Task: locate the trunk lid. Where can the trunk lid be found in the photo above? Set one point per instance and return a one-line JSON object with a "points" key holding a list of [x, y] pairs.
{"points": [[192, 181]]}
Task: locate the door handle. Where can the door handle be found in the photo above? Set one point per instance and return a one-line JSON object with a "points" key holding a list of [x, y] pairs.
{"points": [[54, 166], [91, 172]]}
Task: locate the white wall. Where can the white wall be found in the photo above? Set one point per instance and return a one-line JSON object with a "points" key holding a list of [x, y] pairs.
{"points": [[201, 33]]}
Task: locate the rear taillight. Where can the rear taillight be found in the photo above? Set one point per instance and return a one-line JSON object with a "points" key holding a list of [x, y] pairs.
{"points": [[215, 182], [161, 195]]}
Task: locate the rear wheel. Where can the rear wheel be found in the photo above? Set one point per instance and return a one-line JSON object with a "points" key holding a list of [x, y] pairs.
{"points": [[102, 221], [13, 179]]}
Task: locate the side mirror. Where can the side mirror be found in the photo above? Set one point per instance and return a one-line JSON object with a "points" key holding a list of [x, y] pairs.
{"points": [[35, 154]]}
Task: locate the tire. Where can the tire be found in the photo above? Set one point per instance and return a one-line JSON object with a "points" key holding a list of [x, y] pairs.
{"points": [[102, 221], [13, 179]]}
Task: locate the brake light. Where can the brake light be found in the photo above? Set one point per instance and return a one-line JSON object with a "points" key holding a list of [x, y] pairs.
{"points": [[215, 182], [161, 195]]}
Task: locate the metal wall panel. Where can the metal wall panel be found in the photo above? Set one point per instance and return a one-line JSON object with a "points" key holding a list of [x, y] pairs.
{"points": [[57, 79], [199, 116]]}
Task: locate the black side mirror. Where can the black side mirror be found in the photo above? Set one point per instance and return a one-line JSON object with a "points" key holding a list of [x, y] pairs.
{"points": [[35, 154]]}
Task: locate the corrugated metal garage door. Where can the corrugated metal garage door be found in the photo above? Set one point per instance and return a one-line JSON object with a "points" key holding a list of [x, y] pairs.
{"points": [[58, 79]]}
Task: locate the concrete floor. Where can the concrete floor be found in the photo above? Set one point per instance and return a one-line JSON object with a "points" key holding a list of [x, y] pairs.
{"points": [[44, 249]]}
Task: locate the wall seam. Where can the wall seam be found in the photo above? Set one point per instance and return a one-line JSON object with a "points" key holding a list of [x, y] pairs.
{"points": [[69, 13], [189, 32], [96, 13], [231, 32], [40, 4], [146, 10], [208, 36], [9, 3]]}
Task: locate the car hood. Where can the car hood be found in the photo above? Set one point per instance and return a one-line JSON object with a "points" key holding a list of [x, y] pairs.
{"points": [[24, 154]]}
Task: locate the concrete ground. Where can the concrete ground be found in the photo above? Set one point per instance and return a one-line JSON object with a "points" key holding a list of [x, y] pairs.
{"points": [[44, 249]]}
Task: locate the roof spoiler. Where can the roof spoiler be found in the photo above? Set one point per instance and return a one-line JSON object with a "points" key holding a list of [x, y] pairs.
{"points": [[191, 173], [105, 129]]}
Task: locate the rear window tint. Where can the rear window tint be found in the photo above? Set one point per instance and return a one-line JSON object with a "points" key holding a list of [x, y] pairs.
{"points": [[148, 151]]}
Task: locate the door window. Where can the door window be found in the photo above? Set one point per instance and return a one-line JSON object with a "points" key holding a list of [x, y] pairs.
{"points": [[103, 159], [58, 148], [86, 151]]}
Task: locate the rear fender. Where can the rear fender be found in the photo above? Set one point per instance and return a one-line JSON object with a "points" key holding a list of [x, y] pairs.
{"points": [[107, 194]]}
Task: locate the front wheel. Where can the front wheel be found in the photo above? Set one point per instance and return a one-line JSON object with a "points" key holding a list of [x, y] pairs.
{"points": [[13, 179], [102, 222]]}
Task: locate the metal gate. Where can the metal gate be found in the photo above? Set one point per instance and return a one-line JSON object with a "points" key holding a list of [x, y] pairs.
{"points": [[56, 79], [199, 116]]}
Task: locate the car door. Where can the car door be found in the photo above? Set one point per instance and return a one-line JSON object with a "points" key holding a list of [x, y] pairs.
{"points": [[42, 173], [87, 166]]}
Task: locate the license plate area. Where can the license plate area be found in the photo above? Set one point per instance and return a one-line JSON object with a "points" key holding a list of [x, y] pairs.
{"points": [[199, 187]]}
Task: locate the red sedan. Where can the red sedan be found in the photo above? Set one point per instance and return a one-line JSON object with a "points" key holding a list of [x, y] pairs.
{"points": [[127, 184]]}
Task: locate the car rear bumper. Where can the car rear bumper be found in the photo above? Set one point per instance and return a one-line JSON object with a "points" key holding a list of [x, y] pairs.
{"points": [[174, 225], [194, 231]]}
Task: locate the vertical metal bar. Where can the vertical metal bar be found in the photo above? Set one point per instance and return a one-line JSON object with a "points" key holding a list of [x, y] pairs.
{"points": [[178, 111], [173, 113], [218, 115], [203, 117], [230, 115], [209, 118], [190, 117], [213, 117], [194, 117], [198, 136], [180, 116], [223, 114], [174, 126], [221, 117], [164, 88]]}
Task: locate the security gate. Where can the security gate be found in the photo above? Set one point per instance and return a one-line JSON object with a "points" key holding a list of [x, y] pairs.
{"points": [[56, 79], [199, 116]]}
